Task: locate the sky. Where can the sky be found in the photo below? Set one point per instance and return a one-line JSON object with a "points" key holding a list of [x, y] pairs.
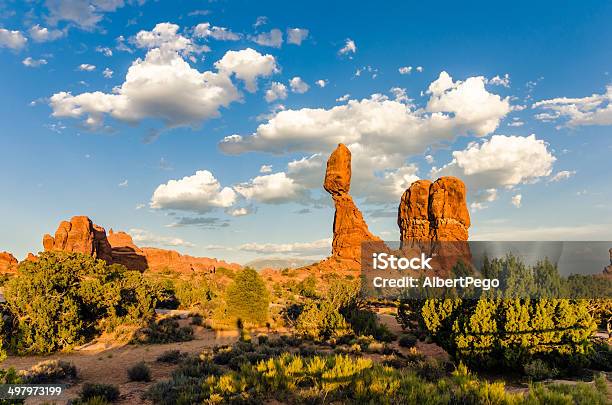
{"points": [[205, 126]]}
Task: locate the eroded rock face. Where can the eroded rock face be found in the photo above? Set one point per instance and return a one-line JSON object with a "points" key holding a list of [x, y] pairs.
{"points": [[434, 211], [162, 259], [8, 263], [80, 235], [125, 252], [350, 229]]}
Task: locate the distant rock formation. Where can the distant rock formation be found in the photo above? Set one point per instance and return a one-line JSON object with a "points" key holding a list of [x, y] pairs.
{"points": [[8, 263], [80, 235], [433, 218], [434, 211]]}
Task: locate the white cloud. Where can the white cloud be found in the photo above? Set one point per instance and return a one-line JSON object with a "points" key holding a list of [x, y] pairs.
{"points": [[321, 83], [343, 98], [84, 13], [500, 81], [517, 200], [298, 85], [562, 175], [321, 246], [265, 169], [124, 183], [274, 38], [165, 36], [501, 161], [277, 91], [595, 109], [247, 65], [419, 69], [429, 159], [43, 34], [261, 20], [296, 35], [12, 39], [200, 192], [86, 67], [205, 30], [239, 212], [405, 70], [383, 125], [349, 47], [274, 188], [162, 86], [104, 50], [33, 63], [143, 237], [399, 94], [107, 73]]}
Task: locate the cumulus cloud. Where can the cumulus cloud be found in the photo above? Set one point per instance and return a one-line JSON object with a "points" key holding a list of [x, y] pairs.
{"points": [[44, 34], [343, 98], [205, 30], [321, 246], [86, 67], [164, 86], [562, 175], [298, 85], [274, 38], [349, 47], [405, 70], [321, 83], [33, 63], [144, 237], [500, 81], [247, 65], [104, 50], [277, 91], [385, 126], [165, 36], [124, 183], [276, 188], [107, 73], [516, 200], [501, 161], [265, 169], [239, 212], [200, 192], [595, 109], [12, 39], [86, 14], [296, 35]]}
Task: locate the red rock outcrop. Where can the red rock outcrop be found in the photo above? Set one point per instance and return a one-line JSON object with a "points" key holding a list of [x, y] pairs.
{"points": [[162, 259], [80, 235], [8, 263], [125, 252], [350, 229], [434, 211], [433, 218]]}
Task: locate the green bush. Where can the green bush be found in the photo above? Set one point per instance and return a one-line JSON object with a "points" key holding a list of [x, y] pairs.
{"points": [[171, 356], [50, 371], [247, 299], [139, 372], [539, 370], [107, 392], [63, 300], [408, 340], [166, 330]]}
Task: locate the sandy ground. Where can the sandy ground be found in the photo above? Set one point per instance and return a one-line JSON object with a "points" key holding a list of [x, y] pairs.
{"points": [[98, 364]]}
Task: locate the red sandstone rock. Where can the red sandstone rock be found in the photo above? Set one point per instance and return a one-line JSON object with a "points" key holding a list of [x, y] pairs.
{"points": [[413, 212], [162, 259], [125, 252], [80, 235], [350, 229], [8, 263]]}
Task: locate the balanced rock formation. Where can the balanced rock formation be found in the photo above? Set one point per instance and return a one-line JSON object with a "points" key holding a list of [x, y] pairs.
{"points": [[434, 211], [350, 229], [80, 235], [8, 263]]}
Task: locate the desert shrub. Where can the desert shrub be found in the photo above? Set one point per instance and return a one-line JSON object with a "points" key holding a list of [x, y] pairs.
{"points": [[196, 367], [308, 287], [262, 339], [197, 320], [139, 372], [65, 299], [408, 340], [247, 299], [538, 370], [600, 357], [166, 330], [171, 356], [107, 392], [320, 320], [193, 293], [49, 371]]}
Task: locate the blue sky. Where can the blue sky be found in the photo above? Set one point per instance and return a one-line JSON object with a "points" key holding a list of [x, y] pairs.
{"points": [[511, 98]]}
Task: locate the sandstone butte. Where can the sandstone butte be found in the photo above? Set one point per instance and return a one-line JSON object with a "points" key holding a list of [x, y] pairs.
{"points": [[8, 263], [81, 235]]}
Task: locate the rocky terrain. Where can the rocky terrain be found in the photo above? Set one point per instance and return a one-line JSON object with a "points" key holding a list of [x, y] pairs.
{"points": [[8, 262]]}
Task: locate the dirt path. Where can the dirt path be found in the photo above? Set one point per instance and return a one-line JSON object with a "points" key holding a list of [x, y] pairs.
{"points": [[99, 365]]}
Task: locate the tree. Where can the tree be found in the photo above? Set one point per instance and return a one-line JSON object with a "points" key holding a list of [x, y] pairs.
{"points": [[247, 298]]}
